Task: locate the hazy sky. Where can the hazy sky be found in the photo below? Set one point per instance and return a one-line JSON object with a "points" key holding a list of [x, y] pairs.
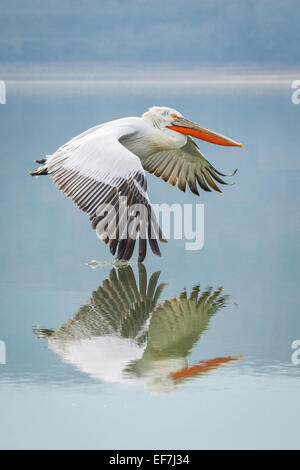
{"points": [[174, 31]]}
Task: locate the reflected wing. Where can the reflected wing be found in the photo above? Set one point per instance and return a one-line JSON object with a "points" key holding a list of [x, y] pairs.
{"points": [[185, 165], [105, 179], [119, 307], [177, 324]]}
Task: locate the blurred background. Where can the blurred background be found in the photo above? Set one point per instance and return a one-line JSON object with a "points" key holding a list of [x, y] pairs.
{"points": [[264, 32], [195, 349]]}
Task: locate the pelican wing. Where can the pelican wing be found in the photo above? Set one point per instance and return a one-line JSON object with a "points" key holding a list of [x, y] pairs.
{"points": [[186, 164], [121, 306], [177, 324], [106, 180]]}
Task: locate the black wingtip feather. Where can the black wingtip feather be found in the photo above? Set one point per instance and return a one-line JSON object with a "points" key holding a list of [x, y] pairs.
{"points": [[142, 249]]}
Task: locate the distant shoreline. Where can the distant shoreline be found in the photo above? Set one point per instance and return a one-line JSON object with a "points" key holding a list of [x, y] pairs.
{"points": [[80, 73]]}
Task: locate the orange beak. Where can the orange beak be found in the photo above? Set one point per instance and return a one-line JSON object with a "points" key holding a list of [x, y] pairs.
{"points": [[184, 126], [203, 367]]}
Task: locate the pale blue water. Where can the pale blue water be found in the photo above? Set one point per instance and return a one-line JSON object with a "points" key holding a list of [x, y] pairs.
{"points": [[251, 249]]}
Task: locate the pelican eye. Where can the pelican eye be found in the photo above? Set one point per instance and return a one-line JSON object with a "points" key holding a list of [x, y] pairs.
{"points": [[174, 116]]}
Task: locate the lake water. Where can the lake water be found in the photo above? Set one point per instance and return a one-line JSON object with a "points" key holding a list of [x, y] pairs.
{"points": [[103, 358]]}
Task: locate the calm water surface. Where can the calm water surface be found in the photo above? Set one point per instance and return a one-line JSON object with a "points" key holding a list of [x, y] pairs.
{"points": [[192, 350]]}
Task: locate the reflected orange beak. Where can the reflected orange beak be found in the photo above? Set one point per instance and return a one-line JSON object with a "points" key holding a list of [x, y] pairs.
{"points": [[203, 367], [184, 126]]}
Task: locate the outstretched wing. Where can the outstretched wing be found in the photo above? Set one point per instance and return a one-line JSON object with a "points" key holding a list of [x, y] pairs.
{"points": [[177, 324], [121, 306], [186, 164], [107, 181]]}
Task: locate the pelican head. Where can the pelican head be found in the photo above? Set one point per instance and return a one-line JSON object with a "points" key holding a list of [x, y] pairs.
{"points": [[161, 116], [167, 119]]}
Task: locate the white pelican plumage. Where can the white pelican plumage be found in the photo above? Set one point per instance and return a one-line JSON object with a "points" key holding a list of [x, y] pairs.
{"points": [[108, 162], [125, 335]]}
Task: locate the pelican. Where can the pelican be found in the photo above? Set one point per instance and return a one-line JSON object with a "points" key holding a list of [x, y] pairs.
{"points": [[124, 335], [106, 165]]}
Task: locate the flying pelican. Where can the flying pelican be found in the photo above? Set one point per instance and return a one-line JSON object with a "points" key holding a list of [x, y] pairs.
{"points": [[124, 335], [106, 165]]}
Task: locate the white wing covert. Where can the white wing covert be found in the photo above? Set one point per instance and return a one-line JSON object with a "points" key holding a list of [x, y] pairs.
{"points": [[106, 180]]}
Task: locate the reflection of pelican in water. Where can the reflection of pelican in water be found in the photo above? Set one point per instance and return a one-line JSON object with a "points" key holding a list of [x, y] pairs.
{"points": [[123, 335]]}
